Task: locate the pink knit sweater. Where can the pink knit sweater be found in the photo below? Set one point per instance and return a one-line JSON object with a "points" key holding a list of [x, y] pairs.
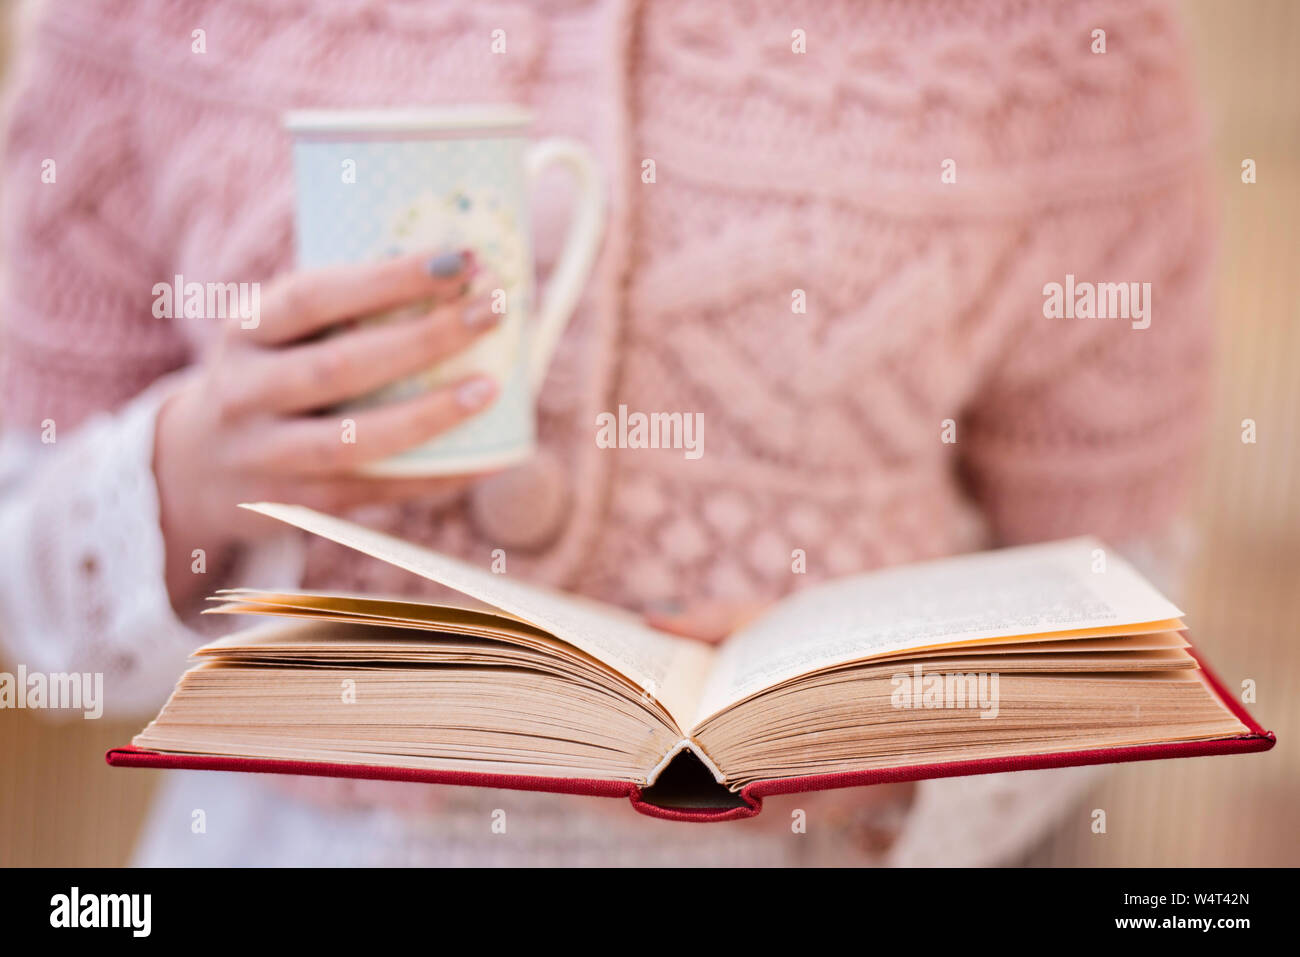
{"points": [[775, 171]]}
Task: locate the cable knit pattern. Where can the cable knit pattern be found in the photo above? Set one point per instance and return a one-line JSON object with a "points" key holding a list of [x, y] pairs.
{"points": [[775, 171]]}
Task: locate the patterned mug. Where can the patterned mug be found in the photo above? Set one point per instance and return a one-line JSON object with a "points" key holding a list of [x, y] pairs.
{"points": [[377, 183]]}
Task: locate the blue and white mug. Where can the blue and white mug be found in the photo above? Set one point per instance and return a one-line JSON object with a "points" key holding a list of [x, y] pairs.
{"points": [[379, 183]]}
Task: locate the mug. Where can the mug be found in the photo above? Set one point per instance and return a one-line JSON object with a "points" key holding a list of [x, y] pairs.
{"points": [[379, 183]]}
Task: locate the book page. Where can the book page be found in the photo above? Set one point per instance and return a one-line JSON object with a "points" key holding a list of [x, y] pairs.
{"points": [[671, 670], [1029, 591]]}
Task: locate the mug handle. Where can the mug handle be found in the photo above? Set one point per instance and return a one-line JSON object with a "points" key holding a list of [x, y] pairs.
{"points": [[565, 285]]}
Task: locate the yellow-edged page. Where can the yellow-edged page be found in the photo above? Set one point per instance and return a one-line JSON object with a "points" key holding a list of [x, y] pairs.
{"points": [[472, 614], [671, 670], [1089, 642], [1067, 589], [345, 601]]}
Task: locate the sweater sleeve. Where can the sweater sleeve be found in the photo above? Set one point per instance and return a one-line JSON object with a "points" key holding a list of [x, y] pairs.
{"points": [[1094, 425], [84, 368], [82, 245]]}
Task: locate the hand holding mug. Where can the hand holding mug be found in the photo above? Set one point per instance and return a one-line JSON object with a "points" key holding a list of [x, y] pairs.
{"points": [[375, 183], [247, 425]]}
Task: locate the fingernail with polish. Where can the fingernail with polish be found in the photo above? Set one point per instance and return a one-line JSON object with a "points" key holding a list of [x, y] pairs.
{"points": [[475, 392], [445, 265]]}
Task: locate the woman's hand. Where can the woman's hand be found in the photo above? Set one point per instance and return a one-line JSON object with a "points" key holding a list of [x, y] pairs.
{"points": [[246, 425], [709, 622]]}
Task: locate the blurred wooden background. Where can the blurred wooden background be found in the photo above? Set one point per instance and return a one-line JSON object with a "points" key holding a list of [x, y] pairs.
{"points": [[60, 805]]}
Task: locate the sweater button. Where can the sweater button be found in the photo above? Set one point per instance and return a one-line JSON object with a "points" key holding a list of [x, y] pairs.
{"points": [[524, 507]]}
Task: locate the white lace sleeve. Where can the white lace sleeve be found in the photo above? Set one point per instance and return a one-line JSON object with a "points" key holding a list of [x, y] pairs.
{"points": [[82, 587]]}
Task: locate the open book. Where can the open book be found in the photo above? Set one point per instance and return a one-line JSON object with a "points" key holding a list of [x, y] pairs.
{"points": [[1040, 656]]}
